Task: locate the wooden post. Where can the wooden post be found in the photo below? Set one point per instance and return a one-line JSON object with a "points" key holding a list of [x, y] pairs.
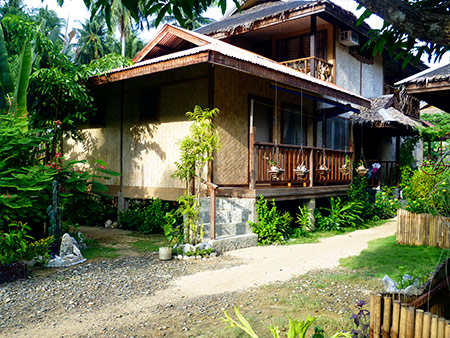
{"points": [[403, 315], [419, 324], [434, 326], [212, 228], [395, 319], [410, 314], [441, 328], [311, 167], [251, 149], [312, 46], [447, 329], [387, 317], [426, 325], [372, 314], [376, 331]]}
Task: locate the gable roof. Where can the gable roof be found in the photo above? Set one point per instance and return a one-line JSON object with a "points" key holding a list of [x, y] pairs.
{"points": [[161, 54]]}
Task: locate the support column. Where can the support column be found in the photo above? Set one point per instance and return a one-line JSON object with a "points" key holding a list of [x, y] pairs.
{"points": [[312, 45], [311, 204]]}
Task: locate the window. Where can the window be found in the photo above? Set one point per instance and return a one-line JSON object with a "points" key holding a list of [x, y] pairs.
{"points": [[98, 117], [298, 47], [337, 133], [294, 125], [262, 120]]}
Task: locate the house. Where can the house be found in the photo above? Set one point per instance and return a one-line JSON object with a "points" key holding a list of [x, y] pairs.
{"points": [[286, 76]]}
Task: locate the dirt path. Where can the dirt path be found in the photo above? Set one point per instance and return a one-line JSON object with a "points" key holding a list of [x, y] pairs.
{"points": [[261, 265]]}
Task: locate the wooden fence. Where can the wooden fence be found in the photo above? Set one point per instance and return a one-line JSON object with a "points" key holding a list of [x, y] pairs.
{"points": [[422, 229], [422, 316]]}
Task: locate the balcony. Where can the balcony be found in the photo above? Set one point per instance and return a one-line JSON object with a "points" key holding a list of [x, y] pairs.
{"points": [[313, 66], [288, 157]]}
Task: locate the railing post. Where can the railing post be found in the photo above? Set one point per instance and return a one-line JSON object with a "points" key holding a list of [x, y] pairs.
{"points": [[251, 149], [212, 228], [311, 168]]}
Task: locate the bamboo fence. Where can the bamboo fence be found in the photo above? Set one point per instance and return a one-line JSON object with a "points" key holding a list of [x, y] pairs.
{"points": [[422, 229], [424, 316]]}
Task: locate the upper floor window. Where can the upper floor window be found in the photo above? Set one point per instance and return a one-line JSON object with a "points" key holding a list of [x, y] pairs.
{"points": [[299, 47]]}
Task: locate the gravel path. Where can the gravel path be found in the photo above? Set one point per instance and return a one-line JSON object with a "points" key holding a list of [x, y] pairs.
{"points": [[130, 296]]}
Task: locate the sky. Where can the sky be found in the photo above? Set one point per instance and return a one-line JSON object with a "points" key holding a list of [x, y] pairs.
{"points": [[75, 10]]}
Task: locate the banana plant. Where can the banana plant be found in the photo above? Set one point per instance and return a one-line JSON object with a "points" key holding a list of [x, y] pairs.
{"points": [[14, 97]]}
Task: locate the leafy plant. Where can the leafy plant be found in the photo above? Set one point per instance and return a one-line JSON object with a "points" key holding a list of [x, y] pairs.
{"points": [[196, 151], [297, 328], [304, 221], [13, 244], [272, 225], [145, 216], [361, 321], [341, 215], [359, 193], [386, 204], [412, 276]]}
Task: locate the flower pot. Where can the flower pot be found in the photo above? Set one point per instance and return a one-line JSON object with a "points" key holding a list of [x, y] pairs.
{"points": [[323, 171], [345, 169], [275, 172], [301, 171], [361, 170], [165, 253]]}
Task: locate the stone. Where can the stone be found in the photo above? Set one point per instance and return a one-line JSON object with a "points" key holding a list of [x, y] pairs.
{"points": [[70, 254], [389, 284], [412, 290], [108, 224], [115, 225], [67, 245], [188, 248]]}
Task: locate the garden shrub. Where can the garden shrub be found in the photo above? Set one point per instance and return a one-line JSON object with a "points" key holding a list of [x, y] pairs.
{"points": [[304, 222], [386, 204], [340, 215], [146, 216], [359, 193], [89, 210], [272, 225]]}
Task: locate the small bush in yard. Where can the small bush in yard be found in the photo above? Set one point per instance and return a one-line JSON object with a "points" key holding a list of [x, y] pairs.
{"points": [[361, 321], [147, 216], [340, 215], [386, 204], [272, 225]]}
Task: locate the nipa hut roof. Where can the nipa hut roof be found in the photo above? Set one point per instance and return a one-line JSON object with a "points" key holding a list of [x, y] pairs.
{"points": [[383, 112], [427, 76]]}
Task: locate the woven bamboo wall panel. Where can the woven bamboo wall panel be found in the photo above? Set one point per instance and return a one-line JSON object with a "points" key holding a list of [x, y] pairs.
{"points": [[422, 229]]}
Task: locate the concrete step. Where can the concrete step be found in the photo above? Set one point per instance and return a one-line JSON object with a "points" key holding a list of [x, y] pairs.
{"points": [[229, 243]]}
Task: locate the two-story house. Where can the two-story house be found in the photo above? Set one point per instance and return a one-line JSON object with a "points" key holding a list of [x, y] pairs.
{"points": [[286, 76]]}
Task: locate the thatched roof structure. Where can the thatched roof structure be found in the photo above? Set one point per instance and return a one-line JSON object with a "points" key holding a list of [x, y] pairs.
{"points": [[383, 112], [268, 9]]}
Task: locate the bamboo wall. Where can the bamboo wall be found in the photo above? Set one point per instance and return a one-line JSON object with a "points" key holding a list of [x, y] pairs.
{"points": [[422, 229]]}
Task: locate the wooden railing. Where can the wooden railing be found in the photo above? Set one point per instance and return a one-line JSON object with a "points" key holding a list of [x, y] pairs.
{"points": [[388, 174], [313, 66], [288, 157]]}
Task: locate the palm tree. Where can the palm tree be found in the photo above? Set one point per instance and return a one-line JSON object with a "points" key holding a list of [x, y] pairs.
{"points": [[197, 21], [94, 40], [121, 18]]}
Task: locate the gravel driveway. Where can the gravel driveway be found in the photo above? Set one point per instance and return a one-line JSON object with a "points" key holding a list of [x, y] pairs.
{"points": [[120, 297]]}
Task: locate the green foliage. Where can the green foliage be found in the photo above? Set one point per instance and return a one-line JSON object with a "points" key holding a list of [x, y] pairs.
{"points": [[384, 257], [340, 215], [406, 151], [146, 216], [406, 174], [413, 277], [272, 225], [434, 135], [359, 193], [297, 328], [13, 244], [386, 204], [89, 209], [196, 151], [304, 222]]}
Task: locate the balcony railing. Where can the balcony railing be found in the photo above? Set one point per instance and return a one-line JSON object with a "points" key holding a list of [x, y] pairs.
{"points": [[388, 174], [313, 66], [288, 157]]}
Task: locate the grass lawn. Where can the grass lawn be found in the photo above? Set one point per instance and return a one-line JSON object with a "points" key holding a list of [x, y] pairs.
{"points": [[385, 257], [95, 250]]}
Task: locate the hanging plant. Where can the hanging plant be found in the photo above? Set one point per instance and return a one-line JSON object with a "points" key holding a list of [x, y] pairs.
{"points": [[275, 171], [323, 170], [346, 168], [301, 171], [361, 170]]}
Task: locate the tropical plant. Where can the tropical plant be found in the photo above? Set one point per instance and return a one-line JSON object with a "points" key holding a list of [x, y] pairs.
{"points": [[341, 215], [304, 221], [297, 328], [14, 243], [272, 226], [196, 151], [361, 321], [386, 204], [359, 193], [147, 216]]}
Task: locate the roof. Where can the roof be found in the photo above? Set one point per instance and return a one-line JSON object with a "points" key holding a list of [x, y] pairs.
{"points": [[264, 10], [382, 112], [429, 75], [214, 51]]}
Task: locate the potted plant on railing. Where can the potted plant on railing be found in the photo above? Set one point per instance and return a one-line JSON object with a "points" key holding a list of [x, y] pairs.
{"points": [[346, 168], [165, 251], [323, 170], [361, 170], [301, 171], [275, 171]]}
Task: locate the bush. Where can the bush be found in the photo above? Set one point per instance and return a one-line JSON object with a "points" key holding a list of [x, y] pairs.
{"points": [[146, 216], [304, 222], [88, 210], [272, 225], [359, 194], [386, 204], [340, 215]]}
